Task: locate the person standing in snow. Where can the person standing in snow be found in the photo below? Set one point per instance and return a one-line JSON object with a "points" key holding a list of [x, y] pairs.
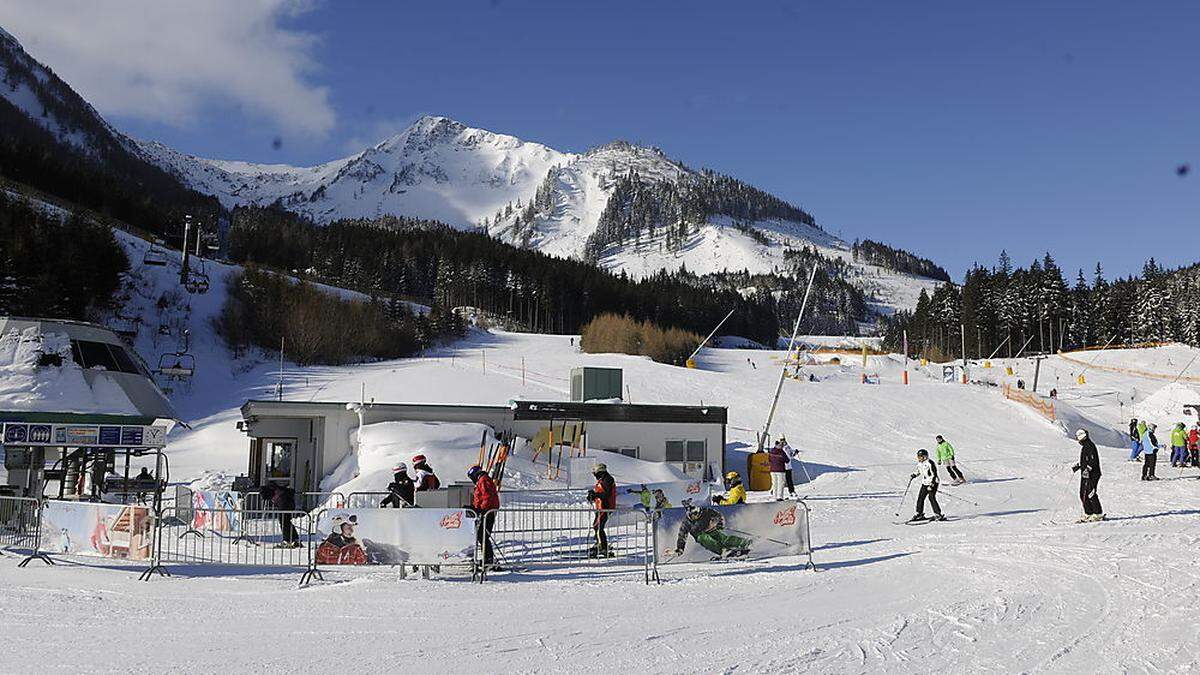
{"points": [[945, 457], [603, 496], [1179, 454], [779, 463], [791, 454], [1135, 440], [929, 486], [1150, 450], [426, 479], [400, 490], [485, 499], [1089, 477], [283, 499], [1194, 444]]}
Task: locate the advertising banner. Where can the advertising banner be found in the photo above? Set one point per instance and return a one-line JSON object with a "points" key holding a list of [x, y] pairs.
{"points": [[215, 511], [395, 537], [664, 495], [97, 529], [699, 533]]}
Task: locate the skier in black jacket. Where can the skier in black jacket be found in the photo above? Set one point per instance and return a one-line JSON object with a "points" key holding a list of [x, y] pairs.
{"points": [[707, 527], [1089, 478], [283, 498], [401, 490]]}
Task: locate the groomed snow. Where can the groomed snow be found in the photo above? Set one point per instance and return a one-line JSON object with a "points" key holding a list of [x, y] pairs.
{"points": [[1009, 584]]}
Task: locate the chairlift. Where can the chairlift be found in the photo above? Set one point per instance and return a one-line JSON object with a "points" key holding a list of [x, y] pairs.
{"points": [[154, 256], [196, 284], [178, 366]]}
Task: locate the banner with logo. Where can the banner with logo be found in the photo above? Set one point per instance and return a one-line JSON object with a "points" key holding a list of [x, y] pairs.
{"points": [[664, 495], [395, 537], [97, 529], [741, 532], [215, 511]]}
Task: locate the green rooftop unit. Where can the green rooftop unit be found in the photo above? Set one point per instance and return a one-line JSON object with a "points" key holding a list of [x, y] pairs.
{"points": [[589, 384]]}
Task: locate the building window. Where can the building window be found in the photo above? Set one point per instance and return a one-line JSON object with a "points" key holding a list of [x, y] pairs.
{"points": [[278, 457], [687, 456], [628, 452], [114, 358]]}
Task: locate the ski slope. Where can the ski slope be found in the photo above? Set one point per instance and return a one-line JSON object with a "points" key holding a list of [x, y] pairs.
{"points": [[1008, 584]]}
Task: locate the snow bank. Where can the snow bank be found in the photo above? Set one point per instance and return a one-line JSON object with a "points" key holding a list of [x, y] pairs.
{"points": [[1165, 406], [25, 386]]}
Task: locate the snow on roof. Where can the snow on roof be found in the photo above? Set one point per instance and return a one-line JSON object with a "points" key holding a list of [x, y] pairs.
{"points": [[26, 386]]}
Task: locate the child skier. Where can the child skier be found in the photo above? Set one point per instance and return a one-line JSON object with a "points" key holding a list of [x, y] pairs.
{"points": [[1135, 440], [929, 485], [1089, 478], [400, 490], [1150, 450], [426, 478], [1179, 454], [1194, 444], [945, 457]]}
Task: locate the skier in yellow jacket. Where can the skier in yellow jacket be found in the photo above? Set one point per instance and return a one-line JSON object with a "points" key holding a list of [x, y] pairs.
{"points": [[735, 492]]}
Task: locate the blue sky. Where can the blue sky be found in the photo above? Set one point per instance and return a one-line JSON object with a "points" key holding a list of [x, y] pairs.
{"points": [[951, 129]]}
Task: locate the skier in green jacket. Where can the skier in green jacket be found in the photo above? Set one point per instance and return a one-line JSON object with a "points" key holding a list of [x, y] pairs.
{"points": [[1179, 454], [707, 527], [945, 457]]}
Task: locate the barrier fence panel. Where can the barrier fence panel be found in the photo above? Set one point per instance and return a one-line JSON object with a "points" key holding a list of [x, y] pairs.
{"points": [[18, 523], [755, 531], [364, 500], [526, 537], [95, 529], [235, 537]]}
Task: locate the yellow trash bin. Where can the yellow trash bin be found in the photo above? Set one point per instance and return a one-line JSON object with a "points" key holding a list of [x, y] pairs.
{"points": [[758, 472]]}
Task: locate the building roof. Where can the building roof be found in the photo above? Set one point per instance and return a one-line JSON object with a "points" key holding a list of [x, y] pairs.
{"points": [[520, 410]]}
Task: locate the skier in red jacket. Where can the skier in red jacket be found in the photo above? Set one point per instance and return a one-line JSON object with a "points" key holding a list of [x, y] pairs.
{"points": [[603, 496], [485, 499]]}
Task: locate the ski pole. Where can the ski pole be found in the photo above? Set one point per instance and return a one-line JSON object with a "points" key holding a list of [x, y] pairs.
{"points": [[904, 496], [947, 494]]}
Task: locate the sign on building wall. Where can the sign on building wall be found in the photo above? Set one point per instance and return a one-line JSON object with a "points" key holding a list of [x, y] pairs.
{"points": [[85, 435]]}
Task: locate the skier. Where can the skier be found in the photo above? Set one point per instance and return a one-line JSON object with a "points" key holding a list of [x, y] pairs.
{"points": [[426, 479], [283, 498], [945, 457], [603, 496], [1089, 478], [787, 477], [929, 485], [1150, 450], [485, 499], [1179, 454], [707, 527], [779, 463], [1135, 440], [400, 490], [735, 492], [1194, 444]]}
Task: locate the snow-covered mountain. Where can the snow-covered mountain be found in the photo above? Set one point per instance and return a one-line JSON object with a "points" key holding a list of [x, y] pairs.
{"points": [[534, 196]]}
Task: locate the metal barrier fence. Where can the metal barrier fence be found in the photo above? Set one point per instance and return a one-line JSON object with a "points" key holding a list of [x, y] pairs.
{"points": [[527, 537], [234, 537], [364, 500], [20, 525]]}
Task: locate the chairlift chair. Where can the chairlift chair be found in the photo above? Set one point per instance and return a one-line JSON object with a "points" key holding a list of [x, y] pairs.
{"points": [[180, 365]]}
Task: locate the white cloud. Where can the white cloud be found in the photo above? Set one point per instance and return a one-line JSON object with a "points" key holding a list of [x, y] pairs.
{"points": [[171, 60]]}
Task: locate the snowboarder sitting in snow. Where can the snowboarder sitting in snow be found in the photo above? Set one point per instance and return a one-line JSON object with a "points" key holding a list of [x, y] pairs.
{"points": [[426, 479], [1089, 477], [340, 547], [1150, 450], [1179, 454], [929, 485], [735, 492], [945, 457], [707, 527], [400, 490]]}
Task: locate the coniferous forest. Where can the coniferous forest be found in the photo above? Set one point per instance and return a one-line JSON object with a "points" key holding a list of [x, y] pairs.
{"points": [[1037, 308]]}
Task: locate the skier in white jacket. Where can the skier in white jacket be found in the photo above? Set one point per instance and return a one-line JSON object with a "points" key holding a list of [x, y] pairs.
{"points": [[927, 471]]}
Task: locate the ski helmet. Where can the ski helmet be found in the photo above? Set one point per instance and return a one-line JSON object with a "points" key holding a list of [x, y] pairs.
{"points": [[1081, 434], [474, 472], [600, 467], [732, 475], [400, 468], [922, 453], [419, 459]]}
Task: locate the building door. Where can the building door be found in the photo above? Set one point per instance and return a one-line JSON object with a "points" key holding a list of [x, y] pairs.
{"points": [[279, 459]]}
